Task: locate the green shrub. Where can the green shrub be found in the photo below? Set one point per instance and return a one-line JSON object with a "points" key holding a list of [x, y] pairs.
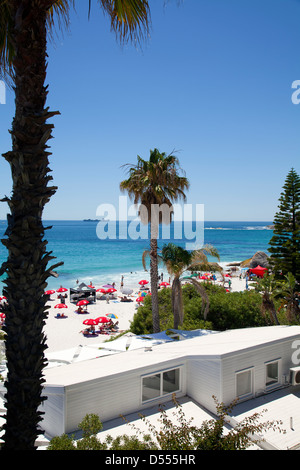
{"points": [[227, 310]]}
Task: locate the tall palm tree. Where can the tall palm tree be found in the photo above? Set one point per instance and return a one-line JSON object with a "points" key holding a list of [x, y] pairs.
{"points": [[177, 260], [24, 26], [151, 184]]}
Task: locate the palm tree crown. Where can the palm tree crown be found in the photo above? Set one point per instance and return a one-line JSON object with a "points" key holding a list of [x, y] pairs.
{"points": [[155, 182], [177, 260]]}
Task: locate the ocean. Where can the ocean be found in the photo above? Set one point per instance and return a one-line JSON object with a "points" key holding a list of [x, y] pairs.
{"points": [[88, 257]]}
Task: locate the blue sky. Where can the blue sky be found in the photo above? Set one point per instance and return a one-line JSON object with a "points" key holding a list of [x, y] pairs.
{"points": [[213, 82]]}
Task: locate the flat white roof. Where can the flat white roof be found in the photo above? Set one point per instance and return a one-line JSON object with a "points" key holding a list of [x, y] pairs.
{"points": [[283, 405], [215, 346]]}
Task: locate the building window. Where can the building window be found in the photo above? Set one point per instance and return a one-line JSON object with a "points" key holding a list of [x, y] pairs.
{"points": [[160, 384], [244, 383], [272, 373]]}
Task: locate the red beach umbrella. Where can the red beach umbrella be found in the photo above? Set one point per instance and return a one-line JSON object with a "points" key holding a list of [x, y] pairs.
{"points": [[2, 315], [82, 302], [164, 284], [101, 290], [90, 321], [143, 282], [60, 306], [140, 299], [111, 290], [49, 292], [61, 289], [3, 298], [102, 320]]}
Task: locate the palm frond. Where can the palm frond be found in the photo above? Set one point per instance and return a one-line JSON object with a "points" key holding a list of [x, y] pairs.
{"points": [[6, 43], [59, 16], [130, 19]]}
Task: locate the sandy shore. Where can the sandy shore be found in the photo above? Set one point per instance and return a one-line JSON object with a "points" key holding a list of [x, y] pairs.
{"points": [[65, 333]]}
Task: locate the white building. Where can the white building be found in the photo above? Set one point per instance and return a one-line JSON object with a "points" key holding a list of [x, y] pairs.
{"points": [[245, 364]]}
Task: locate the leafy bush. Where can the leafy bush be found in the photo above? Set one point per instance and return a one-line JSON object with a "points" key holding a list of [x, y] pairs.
{"points": [[142, 320], [227, 310]]}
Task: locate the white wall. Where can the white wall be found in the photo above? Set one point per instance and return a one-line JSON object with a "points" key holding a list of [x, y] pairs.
{"points": [[107, 397], [54, 409], [256, 359], [204, 381]]}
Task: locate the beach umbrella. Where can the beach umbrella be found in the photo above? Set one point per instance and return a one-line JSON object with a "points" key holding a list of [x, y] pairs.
{"points": [[82, 302], [49, 292], [90, 321], [102, 320], [143, 282], [2, 315], [140, 299], [126, 290], [101, 290], [3, 298], [61, 289], [111, 290], [108, 286], [164, 284], [143, 294], [60, 306], [111, 315]]}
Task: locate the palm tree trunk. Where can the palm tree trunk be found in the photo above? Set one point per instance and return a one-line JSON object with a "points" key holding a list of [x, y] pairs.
{"points": [[26, 266], [204, 298], [177, 302], [269, 307], [154, 284]]}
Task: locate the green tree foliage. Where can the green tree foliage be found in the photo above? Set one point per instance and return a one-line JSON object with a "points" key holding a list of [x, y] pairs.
{"points": [[269, 289], [285, 243], [177, 260], [227, 310], [290, 299]]}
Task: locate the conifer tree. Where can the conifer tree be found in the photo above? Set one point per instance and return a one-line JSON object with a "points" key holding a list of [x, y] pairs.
{"points": [[285, 243]]}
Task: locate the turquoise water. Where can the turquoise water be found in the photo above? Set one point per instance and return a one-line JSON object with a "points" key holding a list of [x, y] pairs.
{"points": [[88, 258]]}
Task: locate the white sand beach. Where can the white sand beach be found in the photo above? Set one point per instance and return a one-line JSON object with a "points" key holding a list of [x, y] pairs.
{"points": [[65, 333]]}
